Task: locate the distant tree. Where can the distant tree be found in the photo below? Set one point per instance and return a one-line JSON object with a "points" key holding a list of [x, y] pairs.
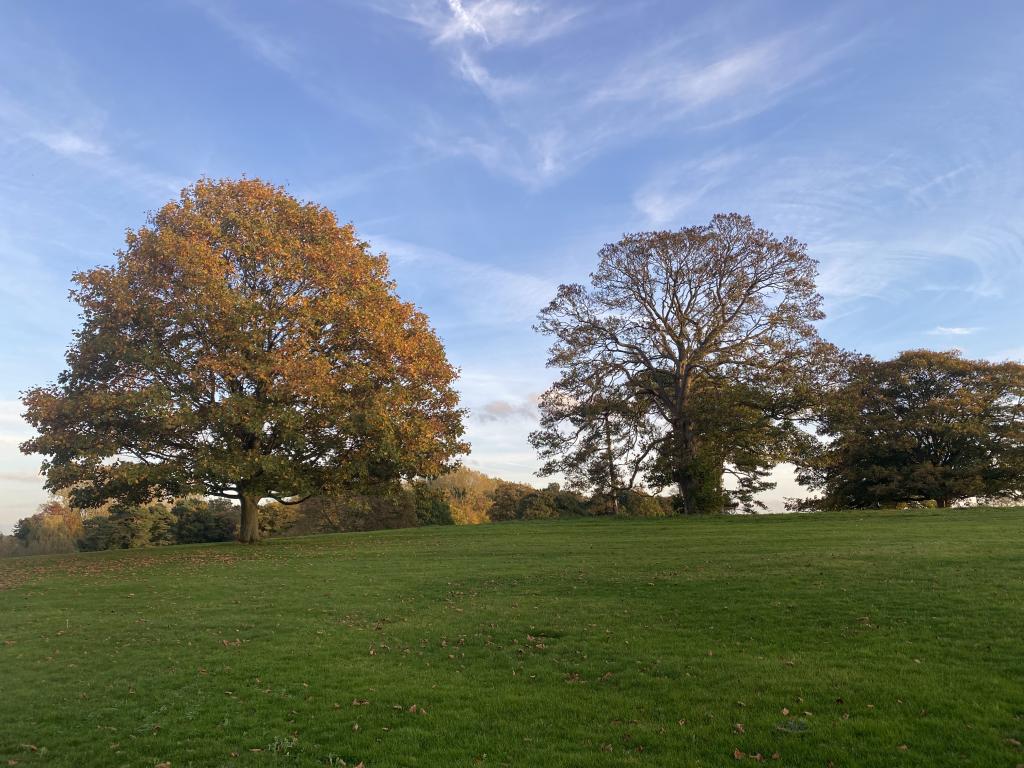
{"points": [[537, 505], [54, 529], [924, 426], [431, 506], [248, 347], [505, 501], [701, 345], [566, 503], [97, 534], [385, 506], [468, 493], [635, 504], [128, 526]]}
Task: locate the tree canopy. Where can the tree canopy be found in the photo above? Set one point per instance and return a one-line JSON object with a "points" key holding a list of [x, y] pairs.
{"points": [[924, 426], [690, 356], [244, 345]]}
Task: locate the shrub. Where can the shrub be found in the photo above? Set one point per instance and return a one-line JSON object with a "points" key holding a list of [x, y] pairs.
{"points": [[536, 506], [505, 500], [97, 534], [431, 506], [635, 504], [197, 521]]}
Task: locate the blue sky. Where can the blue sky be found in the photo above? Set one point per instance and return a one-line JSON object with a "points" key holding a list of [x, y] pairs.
{"points": [[491, 147]]}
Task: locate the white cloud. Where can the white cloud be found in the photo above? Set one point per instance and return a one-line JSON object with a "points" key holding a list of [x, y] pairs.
{"points": [[80, 147], [942, 330], [491, 23], [496, 88], [71, 144]]}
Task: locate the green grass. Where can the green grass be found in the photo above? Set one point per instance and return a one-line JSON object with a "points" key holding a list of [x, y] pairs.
{"points": [[859, 639]]}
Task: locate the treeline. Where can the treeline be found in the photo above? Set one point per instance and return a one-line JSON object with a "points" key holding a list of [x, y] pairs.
{"points": [[464, 497], [690, 365]]}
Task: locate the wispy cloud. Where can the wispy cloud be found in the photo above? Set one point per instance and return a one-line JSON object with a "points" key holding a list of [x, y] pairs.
{"points": [[278, 49], [882, 227], [267, 45], [482, 294], [491, 23], [71, 144], [81, 146], [942, 330], [555, 115], [667, 196]]}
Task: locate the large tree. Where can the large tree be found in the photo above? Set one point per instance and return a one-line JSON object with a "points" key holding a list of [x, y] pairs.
{"points": [[699, 346], [245, 346], [924, 426]]}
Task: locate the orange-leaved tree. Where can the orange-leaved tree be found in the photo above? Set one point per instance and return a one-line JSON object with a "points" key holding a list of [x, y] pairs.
{"points": [[245, 346]]}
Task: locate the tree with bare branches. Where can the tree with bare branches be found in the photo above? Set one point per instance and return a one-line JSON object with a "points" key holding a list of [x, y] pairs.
{"points": [[691, 356]]}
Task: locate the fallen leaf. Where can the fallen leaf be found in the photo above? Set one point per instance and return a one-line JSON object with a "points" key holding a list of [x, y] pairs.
{"points": [[902, 747], [785, 710], [737, 754], [738, 727]]}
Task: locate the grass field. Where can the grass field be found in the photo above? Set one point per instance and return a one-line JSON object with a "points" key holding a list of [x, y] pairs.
{"points": [[853, 639]]}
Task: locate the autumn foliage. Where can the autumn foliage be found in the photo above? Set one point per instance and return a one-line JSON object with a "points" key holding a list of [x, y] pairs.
{"points": [[245, 345]]}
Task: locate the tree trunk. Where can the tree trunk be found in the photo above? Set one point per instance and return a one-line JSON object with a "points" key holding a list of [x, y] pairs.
{"points": [[249, 527], [685, 460], [697, 477]]}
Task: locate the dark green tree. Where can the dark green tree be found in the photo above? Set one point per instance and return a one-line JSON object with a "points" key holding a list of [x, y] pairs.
{"points": [[924, 426]]}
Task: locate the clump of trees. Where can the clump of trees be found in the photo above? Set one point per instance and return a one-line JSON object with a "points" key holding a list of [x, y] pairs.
{"points": [[187, 521], [53, 529], [925, 426], [691, 364], [60, 528]]}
